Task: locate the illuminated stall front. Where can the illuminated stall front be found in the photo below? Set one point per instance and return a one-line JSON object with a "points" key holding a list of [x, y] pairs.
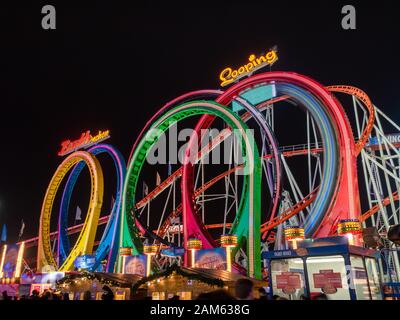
{"points": [[328, 266], [188, 283], [76, 284]]}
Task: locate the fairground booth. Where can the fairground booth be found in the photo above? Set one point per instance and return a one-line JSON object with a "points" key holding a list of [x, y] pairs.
{"points": [[330, 266], [79, 283], [189, 283], [17, 279], [11, 267]]}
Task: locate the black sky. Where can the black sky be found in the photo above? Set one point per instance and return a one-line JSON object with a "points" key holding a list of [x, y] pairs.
{"points": [[110, 65]]}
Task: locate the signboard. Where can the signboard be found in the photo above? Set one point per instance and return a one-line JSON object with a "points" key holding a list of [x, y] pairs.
{"points": [[394, 138], [327, 280], [85, 262], [211, 258], [135, 265], [85, 141], [289, 282], [37, 278], [175, 229], [230, 75], [173, 252], [12, 289], [9, 259]]}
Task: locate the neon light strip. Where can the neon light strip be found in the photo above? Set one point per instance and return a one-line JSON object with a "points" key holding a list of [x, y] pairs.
{"points": [[85, 240], [18, 267], [108, 246], [139, 157], [3, 257]]}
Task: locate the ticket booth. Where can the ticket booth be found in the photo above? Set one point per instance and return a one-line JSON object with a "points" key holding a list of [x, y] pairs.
{"points": [[327, 265]]}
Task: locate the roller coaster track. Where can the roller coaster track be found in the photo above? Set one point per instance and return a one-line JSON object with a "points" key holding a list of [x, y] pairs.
{"points": [[350, 90]]}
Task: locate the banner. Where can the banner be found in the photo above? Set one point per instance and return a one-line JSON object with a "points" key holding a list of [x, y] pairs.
{"points": [[135, 265], [85, 262], [211, 259], [10, 261], [173, 252]]}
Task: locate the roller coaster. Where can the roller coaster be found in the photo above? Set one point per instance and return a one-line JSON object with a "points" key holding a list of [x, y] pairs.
{"points": [[348, 168]]}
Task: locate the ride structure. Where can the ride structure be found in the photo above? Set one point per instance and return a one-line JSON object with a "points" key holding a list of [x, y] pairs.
{"points": [[259, 197]]}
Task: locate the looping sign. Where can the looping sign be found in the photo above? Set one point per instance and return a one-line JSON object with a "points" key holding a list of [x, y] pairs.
{"points": [[85, 141], [230, 75]]}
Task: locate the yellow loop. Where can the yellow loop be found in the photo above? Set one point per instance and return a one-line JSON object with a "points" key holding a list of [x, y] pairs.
{"points": [[84, 244]]}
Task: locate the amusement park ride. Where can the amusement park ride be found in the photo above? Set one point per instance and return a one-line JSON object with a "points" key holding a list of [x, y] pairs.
{"points": [[350, 173]]}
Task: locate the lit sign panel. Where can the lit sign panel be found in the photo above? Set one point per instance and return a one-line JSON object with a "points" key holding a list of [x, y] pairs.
{"points": [[85, 141], [211, 259], [393, 138], [229, 75], [136, 265], [85, 262]]}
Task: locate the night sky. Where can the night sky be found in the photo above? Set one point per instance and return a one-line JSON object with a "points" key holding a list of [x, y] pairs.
{"points": [[111, 66]]}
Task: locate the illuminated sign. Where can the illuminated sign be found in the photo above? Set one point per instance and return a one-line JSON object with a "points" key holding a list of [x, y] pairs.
{"points": [[228, 75], [11, 260], [211, 259], [85, 141], [136, 265], [85, 262], [393, 138]]}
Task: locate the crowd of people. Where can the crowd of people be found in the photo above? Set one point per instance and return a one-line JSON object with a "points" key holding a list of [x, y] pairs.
{"points": [[244, 290], [52, 294]]}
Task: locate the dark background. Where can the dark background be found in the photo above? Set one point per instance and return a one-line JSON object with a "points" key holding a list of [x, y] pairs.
{"points": [[111, 66]]}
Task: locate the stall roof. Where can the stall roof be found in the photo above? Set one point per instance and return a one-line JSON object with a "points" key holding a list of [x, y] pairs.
{"points": [[221, 274], [125, 280]]}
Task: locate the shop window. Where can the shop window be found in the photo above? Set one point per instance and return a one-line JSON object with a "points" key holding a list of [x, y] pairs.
{"points": [[120, 295], [288, 278], [185, 295], [158, 295], [327, 274], [373, 278], [359, 278]]}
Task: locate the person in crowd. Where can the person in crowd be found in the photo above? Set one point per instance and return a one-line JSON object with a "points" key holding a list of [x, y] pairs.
{"points": [[263, 294], [215, 295], [87, 295], [321, 296], [34, 295], [108, 294], [244, 289], [47, 295], [175, 297], [387, 290], [304, 297], [5, 295], [65, 296]]}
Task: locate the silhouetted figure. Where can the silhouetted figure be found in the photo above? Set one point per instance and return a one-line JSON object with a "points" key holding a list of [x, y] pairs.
{"points": [[304, 297], [263, 294], [215, 295], [46, 295], [34, 295], [87, 295], [5, 295], [65, 296], [108, 294], [244, 289], [321, 296]]}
